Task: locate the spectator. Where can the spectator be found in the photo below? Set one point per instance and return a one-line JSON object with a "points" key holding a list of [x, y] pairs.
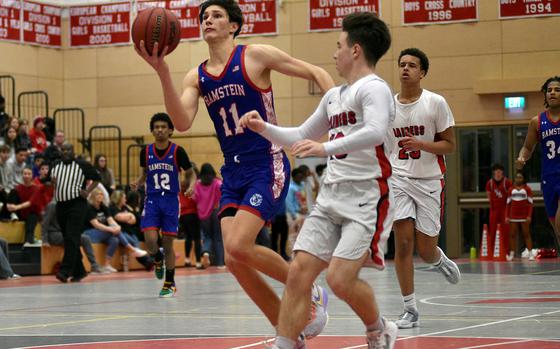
{"points": [[133, 205], [4, 117], [51, 234], [46, 191], [296, 205], [311, 186], [53, 152], [10, 140], [497, 189], [107, 177], [207, 195], [189, 225], [37, 136], [6, 271], [23, 201], [49, 128], [69, 178], [6, 184], [12, 122], [22, 139], [128, 222], [38, 160], [279, 229], [17, 164], [101, 227]]}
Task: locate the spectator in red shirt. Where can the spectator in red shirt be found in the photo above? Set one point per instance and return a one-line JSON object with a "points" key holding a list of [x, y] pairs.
{"points": [[23, 200], [45, 191], [497, 189], [37, 136], [519, 212]]}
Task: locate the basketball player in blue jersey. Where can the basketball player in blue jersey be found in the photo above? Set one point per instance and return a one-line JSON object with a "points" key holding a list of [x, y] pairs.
{"points": [[234, 80], [162, 162], [544, 129]]}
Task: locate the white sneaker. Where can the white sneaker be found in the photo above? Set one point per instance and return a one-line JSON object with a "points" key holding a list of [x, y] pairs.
{"points": [[525, 253], [139, 253], [319, 317], [449, 269], [14, 277], [383, 339], [14, 217], [109, 269], [408, 319], [510, 256]]}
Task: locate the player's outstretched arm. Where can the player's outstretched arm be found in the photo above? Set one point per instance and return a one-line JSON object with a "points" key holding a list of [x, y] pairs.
{"points": [[278, 60], [181, 108], [529, 145]]}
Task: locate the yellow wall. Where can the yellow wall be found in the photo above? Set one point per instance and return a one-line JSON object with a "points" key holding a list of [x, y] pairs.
{"points": [[472, 65]]}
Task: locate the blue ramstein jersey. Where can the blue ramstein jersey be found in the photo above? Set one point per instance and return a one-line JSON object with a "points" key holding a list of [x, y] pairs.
{"points": [[227, 98], [549, 138], [162, 174]]}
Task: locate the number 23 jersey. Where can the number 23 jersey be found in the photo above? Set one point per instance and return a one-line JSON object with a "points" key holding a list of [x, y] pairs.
{"points": [[230, 95]]}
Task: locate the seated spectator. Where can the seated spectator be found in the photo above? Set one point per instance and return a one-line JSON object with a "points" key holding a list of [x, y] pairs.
{"points": [[37, 136], [38, 160], [51, 234], [4, 117], [129, 224], [53, 152], [46, 190], [133, 205], [49, 129], [23, 201], [10, 140], [102, 228], [107, 177], [22, 139], [12, 122], [6, 184], [17, 164], [6, 271]]}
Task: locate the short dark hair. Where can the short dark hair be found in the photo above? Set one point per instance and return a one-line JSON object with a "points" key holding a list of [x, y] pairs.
{"points": [[320, 168], [544, 87], [296, 171], [415, 52], [20, 149], [520, 172], [232, 9], [4, 148], [368, 31], [498, 167], [161, 117]]}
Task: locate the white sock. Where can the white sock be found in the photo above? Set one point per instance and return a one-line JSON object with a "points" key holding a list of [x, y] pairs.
{"points": [[410, 302], [284, 343], [378, 325]]}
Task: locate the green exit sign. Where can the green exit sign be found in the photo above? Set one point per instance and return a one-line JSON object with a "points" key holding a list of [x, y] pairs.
{"points": [[514, 102]]}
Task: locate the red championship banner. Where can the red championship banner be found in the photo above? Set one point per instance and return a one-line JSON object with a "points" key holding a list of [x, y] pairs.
{"points": [[185, 10], [420, 12], [529, 8], [259, 17], [327, 15], [10, 23], [41, 24], [94, 25]]}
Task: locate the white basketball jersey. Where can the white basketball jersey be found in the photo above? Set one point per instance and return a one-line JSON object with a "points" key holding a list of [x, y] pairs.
{"points": [[345, 115], [422, 119]]}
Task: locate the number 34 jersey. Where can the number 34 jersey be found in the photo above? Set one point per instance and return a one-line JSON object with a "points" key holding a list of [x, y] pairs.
{"points": [[548, 133], [422, 119], [227, 98]]}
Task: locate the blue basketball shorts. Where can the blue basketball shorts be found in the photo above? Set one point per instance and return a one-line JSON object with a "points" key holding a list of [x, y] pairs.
{"points": [[161, 212]]}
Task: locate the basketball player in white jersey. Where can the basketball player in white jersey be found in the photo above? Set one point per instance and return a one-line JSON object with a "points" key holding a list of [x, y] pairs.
{"points": [[353, 212], [421, 135]]}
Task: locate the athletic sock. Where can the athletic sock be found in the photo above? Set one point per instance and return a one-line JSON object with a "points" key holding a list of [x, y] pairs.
{"points": [[170, 275], [441, 258], [410, 302], [158, 257], [284, 343], [378, 325]]}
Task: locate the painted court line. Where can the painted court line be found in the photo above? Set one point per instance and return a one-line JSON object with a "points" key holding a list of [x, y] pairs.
{"points": [[467, 327], [255, 344], [496, 344]]}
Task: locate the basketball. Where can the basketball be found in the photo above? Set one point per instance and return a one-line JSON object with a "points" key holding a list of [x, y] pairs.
{"points": [[156, 25]]}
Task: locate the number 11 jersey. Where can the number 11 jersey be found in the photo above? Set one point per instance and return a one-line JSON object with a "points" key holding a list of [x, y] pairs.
{"points": [[227, 98]]}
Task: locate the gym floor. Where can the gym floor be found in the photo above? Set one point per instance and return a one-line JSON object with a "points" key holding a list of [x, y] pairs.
{"points": [[497, 305]]}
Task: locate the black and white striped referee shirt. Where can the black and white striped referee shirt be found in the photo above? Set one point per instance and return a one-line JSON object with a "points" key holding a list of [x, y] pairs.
{"points": [[71, 176]]}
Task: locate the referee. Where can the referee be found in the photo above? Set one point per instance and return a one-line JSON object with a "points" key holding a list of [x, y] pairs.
{"points": [[69, 178]]}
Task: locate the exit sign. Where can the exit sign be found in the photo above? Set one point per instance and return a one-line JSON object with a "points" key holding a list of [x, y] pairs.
{"points": [[515, 102]]}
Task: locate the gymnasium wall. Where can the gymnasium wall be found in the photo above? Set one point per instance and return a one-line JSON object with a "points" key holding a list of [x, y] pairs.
{"points": [[472, 64]]}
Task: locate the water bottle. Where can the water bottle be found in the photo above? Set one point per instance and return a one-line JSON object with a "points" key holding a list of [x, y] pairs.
{"points": [[473, 252]]}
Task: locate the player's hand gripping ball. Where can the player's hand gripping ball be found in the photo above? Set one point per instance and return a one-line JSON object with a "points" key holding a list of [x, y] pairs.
{"points": [[159, 25]]}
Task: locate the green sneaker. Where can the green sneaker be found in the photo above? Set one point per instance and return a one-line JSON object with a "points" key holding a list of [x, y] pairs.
{"points": [[168, 290], [159, 269]]}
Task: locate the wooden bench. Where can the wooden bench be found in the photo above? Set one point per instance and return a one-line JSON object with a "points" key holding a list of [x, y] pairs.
{"points": [[14, 232], [52, 255]]}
